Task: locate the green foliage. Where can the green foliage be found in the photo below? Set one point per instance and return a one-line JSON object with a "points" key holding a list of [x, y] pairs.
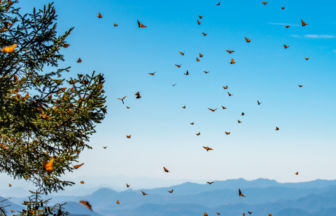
{"points": [[38, 206], [40, 118]]}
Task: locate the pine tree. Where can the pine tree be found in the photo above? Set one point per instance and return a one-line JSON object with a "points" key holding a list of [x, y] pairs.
{"points": [[43, 117]]}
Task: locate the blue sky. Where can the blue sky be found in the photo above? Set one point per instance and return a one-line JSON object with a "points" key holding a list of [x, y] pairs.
{"points": [[264, 71]]}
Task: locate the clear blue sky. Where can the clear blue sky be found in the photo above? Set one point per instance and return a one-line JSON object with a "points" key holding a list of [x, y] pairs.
{"points": [[264, 71]]}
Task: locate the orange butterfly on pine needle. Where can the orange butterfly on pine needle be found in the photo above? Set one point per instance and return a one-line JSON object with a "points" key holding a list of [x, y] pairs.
{"points": [[225, 87], [115, 25], [207, 148], [141, 25], [165, 169], [9, 49], [48, 165], [86, 203], [200, 16], [171, 191], [199, 23], [247, 40], [287, 26], [192, 123], [127, 185], [152, 74], [210, 183], [205, 34], [227, 133], [143, 193], [118, 202], [229, 51], [240, 193], [276, 128], [79, 165], [303, 23], [128, 136], [199, 133], [232, 61], [200, 55], [79, 60], [213, 110], [186, 73], [99, 15], [286, 46], [264, 3]]}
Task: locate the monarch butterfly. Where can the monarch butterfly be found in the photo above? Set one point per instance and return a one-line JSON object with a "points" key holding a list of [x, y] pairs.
{"points": [[199, 133], [118, 202], [297, 173], [205, 34], [217, 213], [218, 4], [99, 15], [229, 94], [276, 128], [79, 165], [303, 23], [258, 102], [300, 86], [205, 214], [122, 99], [9, 49], [225, 87], [264, 3], [213, 110], [79, 60], [286, 46], [82, 182], [152, 73], [192, 123], [210, 183], [127, 185], [178, 65], [232, 61], [66, 45], [165, 169], [247, 40], [197, 59], [12, 210], [269, 214], [171, 191], [48, 165], [186, 73], [199, 23], [283, 8], [200, 16], [223, 107], [206, 72], [184, 107], [249, 212], [182, 53], [200, 55], [115, 25], [287, 26], [86, 203], [105, 147], [243, 214], [137, 95], [174, 84], [128, 107], [141, 25], [239, 121], [128, 136], [207, 148], [243, 113], [10, 185], [240, 193], [227, 133], [229, 51], [143, 193], [307, 59]]}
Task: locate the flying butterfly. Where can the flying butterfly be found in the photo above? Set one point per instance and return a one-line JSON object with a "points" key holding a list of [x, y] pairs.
{"points": [[264, 3], [122, 99], [227, 133], [127, 185], [66, 45], [171, 191], [200, 55], [223, 107], [207, 148], [9, 49], [137, 95], [232, 61], [213, 110], [200, 16], [178, 65], [247, 40], [243, 113], [297, 173], [205, 34], [184, 107], [182, 53], [218, 4], [283, 8], [128, 136], [99, 15], [141, 25], [287, 26], [229, 51], [186, 73], [79, 60], [143, 193], [165, 169], [240, 193], [300, 86], [217, 213], [128, 107], [239, 121], [105, 147], [210, 183], [269, 214], [225, 87], [206, 72], [197, 59], [12, 210], [86, 203], [10, 185], [307, 59], [205, 214], [199, 23], [276, 128], [118, 202], [258, 102], [199, 133], [243, 214], [229, 94], [249, 212], [115, 25], [286, 46], [303, 23], [152, 74], [192, 123], [82, 182], [79, 165]]}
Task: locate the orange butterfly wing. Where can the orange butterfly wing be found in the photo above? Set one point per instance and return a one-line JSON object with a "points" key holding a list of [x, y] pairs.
{"points": [[86, 203], [79, 165]]}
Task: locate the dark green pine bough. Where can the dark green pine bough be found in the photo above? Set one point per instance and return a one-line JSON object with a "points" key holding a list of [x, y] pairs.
{"points": [[42, 115]]}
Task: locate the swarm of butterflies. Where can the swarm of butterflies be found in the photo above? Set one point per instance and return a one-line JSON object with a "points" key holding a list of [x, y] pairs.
{"points": [[48, 165]]}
